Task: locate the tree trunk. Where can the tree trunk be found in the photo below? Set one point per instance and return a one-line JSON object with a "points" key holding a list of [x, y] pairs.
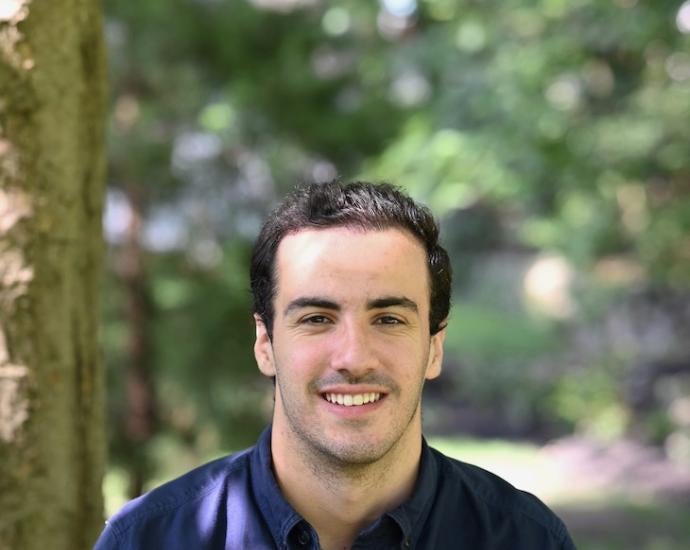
{"points": [[52, 108]]}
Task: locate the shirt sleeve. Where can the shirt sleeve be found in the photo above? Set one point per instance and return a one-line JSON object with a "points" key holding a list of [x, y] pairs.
{"points": [[567, 543], [108, 540]]}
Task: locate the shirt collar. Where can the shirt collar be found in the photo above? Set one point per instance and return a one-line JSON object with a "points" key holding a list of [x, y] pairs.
{"points": [[282, 518], [279, 515], [411, 515]]}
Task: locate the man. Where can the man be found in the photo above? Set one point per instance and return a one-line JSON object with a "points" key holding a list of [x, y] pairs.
{"points": [[351, 297]]}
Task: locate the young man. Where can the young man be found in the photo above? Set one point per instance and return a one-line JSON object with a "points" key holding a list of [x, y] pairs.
{"points": [[351, 298]]}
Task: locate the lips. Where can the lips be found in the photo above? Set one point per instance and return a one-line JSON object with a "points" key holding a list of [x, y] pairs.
{"points": [[352, 399]]}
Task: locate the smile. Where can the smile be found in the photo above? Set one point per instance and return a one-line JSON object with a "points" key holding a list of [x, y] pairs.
{"points": [[352, 400]]}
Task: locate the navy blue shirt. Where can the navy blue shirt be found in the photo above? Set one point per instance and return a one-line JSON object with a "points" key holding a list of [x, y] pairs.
{"points": [[235, 503]]}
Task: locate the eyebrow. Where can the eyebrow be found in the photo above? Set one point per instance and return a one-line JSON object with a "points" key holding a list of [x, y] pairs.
{"points": [[392, 301], [325, 303], [311, 301]]}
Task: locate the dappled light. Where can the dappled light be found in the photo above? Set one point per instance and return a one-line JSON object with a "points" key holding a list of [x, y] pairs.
{"points": [[683, 18], [547, 287], [549, 138], [336, 21], [13, 404], [14, 204], [13, 12]]}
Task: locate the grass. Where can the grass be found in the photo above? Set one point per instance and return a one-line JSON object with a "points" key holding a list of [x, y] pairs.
{"points": [[627, 524], [596, 521]]}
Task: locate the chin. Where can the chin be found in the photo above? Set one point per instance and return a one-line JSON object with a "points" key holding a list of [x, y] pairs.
{"points": [[354, 454]]}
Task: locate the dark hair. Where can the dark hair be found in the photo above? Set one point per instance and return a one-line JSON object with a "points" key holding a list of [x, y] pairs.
{"points": [[368, 206]]}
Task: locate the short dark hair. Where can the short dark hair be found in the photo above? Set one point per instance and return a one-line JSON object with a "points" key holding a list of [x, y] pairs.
{"points": [[364, 205]]}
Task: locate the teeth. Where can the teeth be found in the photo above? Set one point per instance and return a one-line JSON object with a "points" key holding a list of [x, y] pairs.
{"points": [[352, 400]]}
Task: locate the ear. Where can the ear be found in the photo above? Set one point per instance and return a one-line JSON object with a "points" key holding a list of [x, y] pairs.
{"points": [[433, 368], [263, 350]]}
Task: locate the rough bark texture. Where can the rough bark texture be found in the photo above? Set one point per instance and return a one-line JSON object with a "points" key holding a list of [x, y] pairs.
{"points": [[52, 80]]}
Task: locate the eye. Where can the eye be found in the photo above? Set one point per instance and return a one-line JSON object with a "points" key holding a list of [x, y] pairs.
{"points": [[389, 320], [315, 320]]}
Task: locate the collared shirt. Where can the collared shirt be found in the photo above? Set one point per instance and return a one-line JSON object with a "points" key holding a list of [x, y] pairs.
{"points": [[235, 503]]}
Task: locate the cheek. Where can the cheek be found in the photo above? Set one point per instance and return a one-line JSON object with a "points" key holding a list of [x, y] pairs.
{"points": [[302, 358], [408, 349]]}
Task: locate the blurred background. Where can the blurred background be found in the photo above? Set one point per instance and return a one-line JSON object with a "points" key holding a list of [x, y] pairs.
{"points": [[551, 138]]}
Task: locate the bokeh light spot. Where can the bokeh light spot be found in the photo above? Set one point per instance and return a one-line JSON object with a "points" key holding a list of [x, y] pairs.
{"points": [[336, 21], [683, 18], [400, 8], [471, 36]]}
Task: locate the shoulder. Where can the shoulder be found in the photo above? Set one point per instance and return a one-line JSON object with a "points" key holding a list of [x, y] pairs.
{"points": [[496, 501], [200, 498]]}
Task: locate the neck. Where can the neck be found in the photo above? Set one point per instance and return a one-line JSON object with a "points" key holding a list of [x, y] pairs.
{"points": [[339, 499]]}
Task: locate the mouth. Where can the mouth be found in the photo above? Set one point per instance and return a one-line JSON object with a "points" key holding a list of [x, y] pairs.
{"points": [[352, 399]]}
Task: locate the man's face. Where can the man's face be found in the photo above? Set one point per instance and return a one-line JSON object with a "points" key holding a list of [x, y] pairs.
{"points": [[351, 347]]}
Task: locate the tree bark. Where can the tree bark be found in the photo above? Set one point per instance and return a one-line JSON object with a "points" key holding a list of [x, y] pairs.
{"points": [[52, 110]]}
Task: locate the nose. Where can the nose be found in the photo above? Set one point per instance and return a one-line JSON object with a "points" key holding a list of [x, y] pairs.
{"points": [[353, 351]]}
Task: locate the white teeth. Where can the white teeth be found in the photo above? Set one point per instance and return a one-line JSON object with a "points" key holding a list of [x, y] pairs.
{"points": [[352, 400]]}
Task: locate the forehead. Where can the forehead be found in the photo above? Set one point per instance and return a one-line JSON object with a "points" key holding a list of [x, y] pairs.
{"points": [[351, 262]]}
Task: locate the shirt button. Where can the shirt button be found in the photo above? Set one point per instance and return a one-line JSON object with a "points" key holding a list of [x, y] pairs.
{"points": [[303, 538], [406, 543]]}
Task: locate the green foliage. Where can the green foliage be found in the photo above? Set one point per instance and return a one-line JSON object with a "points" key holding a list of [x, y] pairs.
{"points": [[483, 333], [588, 398], [530, 128]]}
